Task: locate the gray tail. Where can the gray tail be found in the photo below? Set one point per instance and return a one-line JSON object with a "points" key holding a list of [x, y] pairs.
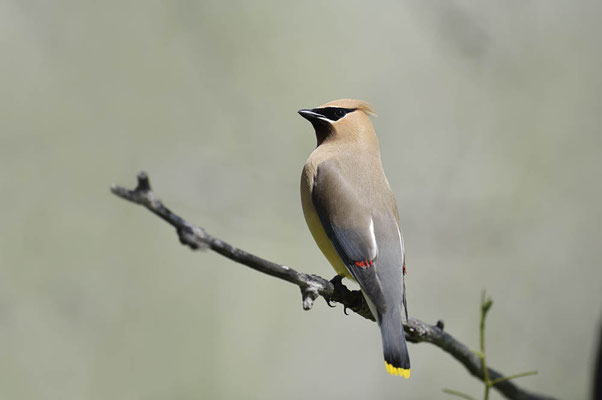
{"points": [[395, 350]]}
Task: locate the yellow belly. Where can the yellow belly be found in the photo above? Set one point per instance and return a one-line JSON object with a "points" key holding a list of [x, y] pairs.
{"points": [[317, 230]]}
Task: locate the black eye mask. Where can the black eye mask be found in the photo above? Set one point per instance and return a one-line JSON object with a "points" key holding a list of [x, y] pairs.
{"points": [[333, 113]]}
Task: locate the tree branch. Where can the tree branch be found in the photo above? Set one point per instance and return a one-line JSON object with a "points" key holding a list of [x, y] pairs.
{"points": [[313, 286]]}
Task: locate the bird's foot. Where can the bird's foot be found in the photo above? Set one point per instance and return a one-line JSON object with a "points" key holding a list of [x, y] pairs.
{"points": [[339, 289]]}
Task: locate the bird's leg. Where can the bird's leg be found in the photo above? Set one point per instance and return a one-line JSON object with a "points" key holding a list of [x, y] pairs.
{"points": [[341, 291], [337, 283]]}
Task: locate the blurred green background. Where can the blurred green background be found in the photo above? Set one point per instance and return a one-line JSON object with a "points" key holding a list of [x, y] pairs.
{"points": [[489, 123]]}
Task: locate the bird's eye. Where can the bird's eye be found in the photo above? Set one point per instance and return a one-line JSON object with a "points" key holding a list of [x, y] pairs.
{"points": [[339, 113]]}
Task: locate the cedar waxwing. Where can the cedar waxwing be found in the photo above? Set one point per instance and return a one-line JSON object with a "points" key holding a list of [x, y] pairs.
{"points": [[352, 215]]}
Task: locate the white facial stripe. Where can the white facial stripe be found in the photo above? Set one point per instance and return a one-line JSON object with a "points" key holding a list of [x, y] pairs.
{"points": [[331, 121]]}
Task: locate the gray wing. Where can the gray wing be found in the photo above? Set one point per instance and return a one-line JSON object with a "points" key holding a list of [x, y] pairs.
{"points": [[351, 229]]}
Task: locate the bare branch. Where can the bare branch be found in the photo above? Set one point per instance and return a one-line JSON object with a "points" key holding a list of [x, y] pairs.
{"points": [[313, 286]]}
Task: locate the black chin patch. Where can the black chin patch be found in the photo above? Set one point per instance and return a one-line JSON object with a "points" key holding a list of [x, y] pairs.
{"points": [[333, 113]]}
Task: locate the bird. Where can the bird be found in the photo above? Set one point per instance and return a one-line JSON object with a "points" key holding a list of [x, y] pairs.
{"points": [[352, 214]]}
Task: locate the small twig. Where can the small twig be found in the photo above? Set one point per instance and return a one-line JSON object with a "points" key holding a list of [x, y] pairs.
{"points": [[485, 306], [507, 378], [313, 286], [459, 394]]}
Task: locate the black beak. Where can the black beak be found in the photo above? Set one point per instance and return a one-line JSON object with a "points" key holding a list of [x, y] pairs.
{"points": [[310, 115], [320, 124]]}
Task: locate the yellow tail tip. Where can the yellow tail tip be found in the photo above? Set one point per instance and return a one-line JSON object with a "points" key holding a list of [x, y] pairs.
{"points": [[397, 371]]}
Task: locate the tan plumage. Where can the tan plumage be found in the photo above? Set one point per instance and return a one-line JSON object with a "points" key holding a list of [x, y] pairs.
{"points": [[352, 215]]}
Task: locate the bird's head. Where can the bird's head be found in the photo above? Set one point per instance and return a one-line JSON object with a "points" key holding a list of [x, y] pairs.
{"points": [[341, 119]]}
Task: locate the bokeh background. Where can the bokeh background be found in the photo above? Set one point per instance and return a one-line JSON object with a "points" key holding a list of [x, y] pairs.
{"points": [[489, 123]]}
